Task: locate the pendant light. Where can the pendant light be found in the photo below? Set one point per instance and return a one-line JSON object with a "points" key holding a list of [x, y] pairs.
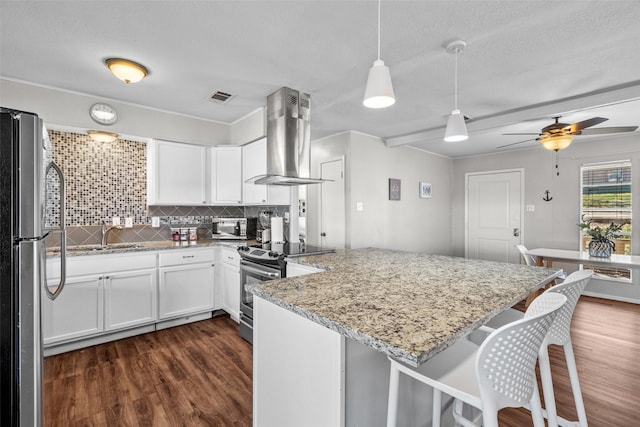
{"points": [[379, 91], [456, 128]]}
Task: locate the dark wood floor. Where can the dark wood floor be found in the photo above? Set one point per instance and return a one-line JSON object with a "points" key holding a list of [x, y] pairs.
{"points": [[200, 375]]}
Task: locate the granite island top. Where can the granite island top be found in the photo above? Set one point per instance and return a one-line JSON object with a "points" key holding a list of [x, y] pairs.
{"points": [[407, 305]]}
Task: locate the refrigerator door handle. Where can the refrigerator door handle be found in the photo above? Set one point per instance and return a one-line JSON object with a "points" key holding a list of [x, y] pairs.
{"points": [[63, 240]]}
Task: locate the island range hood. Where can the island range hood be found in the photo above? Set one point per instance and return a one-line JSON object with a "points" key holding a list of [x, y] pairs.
{"points": [[288, 139]]}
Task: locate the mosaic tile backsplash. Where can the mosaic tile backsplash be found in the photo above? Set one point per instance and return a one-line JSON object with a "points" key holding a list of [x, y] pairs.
{"points": [[104, 180]]}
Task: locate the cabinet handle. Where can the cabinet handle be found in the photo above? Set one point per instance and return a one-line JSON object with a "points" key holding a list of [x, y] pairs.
{"points": [[188, 256], [264, 201], [106, 277], [213, 265], [230, 257]]}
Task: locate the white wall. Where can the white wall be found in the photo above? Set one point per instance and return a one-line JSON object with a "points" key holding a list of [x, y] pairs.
{"points": [[249, 128], [554, 224], [70, 109], [412, 223]]}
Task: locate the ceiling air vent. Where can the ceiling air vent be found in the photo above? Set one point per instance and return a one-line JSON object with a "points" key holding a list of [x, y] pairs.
{"points": [[220, 96]]}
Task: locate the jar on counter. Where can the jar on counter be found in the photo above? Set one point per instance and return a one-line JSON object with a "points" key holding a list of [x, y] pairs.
{"points": [[184, 234], [175, 234], [193, 233]]}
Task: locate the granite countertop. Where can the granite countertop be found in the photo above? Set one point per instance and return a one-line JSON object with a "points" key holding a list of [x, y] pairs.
{"points": [[407, 305], [116, 248]]}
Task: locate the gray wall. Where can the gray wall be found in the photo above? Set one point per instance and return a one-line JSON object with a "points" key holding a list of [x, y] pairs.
{"points": [[70, 109], [412, 224], [553, 224]]}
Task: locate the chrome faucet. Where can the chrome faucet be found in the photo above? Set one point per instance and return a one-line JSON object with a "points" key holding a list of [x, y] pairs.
{"points": [[104, 232]]}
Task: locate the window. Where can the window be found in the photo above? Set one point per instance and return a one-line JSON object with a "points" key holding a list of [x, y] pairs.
{"points": [[606, 199]]}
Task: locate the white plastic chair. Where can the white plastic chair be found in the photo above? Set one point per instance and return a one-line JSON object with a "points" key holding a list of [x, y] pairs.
{"points": [[528, 259], [559, 334], [498, 374]]}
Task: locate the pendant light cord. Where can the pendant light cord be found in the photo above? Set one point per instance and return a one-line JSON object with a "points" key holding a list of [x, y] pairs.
{"points": [[379, 1], [455, 83]]}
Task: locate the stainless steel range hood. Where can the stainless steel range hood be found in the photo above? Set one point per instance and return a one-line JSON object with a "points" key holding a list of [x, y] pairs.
{"points": [[288, 139]]}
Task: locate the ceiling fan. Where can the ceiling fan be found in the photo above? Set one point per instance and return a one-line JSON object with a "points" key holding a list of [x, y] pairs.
{"points": [[558, 136]]}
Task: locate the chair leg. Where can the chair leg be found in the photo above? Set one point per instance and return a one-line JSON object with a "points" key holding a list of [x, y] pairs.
{"points": [[536, 408], [490, 415], [547, 387], [392, 407], [437, 408], [575, 383]]}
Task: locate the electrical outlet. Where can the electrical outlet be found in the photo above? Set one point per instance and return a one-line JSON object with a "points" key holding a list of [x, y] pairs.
{"points": [[128, 222], [531, 208], [359, 206], [155, 221], [115, 220], [286, 217]]}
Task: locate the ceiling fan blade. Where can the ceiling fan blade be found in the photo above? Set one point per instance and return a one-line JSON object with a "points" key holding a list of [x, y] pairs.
{"points": [[577, 127], [526, 133], [516, 143], [616, 129]]}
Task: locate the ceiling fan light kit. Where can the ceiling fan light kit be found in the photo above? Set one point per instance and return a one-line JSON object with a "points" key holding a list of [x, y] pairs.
{"points": [[379, 90], [456, 128], [555, 142]]}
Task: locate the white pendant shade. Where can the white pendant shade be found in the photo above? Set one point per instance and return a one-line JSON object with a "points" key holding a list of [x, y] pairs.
{"points": [[456, 128], [379, 91]]}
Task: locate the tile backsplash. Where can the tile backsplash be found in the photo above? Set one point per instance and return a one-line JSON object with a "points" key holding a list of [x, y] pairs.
{"points": [[104, 180]]}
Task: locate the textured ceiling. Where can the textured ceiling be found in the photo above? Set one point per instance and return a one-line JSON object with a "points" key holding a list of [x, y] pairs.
{"points": [[525, 61]]}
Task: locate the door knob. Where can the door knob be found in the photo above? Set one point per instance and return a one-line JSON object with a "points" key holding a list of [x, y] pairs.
{"points": [[516, 232], [323, 234]]}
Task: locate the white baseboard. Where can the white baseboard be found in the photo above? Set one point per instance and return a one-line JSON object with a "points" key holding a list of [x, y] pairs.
{"points": [[611, 297]]}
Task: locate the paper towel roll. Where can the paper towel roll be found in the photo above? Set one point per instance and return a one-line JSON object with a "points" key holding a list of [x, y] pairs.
{"points": [[277, 231]]}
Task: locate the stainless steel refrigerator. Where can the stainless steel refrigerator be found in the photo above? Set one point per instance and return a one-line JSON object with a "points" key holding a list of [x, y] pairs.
{"points": [[30, 184]]}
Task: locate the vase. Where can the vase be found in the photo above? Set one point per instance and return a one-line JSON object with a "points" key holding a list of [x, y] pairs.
{"points": [[601, 248]]}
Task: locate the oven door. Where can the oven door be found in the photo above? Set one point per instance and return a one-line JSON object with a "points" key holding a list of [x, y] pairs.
{"points": [[252, 273]]}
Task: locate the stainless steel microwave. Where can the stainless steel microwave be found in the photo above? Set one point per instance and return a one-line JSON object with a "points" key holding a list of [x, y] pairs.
{"points": [[234, 228]]}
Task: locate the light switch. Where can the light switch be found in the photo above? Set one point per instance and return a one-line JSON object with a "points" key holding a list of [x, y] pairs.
{"points": [[531, 208], [286, 218], [115, 220], [128, 222], [155, 221], [359, 206]]}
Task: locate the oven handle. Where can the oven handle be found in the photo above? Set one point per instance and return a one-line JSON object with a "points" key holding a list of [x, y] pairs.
{"points": [[250, 269]]}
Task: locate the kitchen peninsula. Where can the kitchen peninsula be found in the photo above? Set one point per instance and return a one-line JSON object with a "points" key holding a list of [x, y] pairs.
{"points": [[321, 340]]}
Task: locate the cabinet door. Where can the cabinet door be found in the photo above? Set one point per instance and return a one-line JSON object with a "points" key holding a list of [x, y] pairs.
{"points": [[254, 162], [131, 298], [185, 289], [177, 173], [77, 312], [226, 175], [231, 291]]}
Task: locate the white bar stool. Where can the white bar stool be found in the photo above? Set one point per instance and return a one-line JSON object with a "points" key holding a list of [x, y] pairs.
{"points": [[498, 374], [559, 334]]}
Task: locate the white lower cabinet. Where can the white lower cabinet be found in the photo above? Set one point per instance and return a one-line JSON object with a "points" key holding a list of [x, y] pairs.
{"points": [[130, 298], [76, 313], [186, 282], [231, 283], [186, 289]]}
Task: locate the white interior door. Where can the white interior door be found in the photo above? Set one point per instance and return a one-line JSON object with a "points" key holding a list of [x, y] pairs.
{"points": [[494, 215], [332, 215]]}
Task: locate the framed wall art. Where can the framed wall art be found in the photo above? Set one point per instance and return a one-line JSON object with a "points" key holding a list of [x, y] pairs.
{"points": [[425, 190], [394, 189]]}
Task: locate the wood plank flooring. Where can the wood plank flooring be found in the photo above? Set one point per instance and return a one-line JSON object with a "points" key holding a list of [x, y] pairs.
{"points": [[192, 375], [200, 375]]}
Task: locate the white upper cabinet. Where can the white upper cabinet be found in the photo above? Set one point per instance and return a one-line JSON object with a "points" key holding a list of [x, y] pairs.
{"points": [[254, 162], [226, 175], [176, 173]]}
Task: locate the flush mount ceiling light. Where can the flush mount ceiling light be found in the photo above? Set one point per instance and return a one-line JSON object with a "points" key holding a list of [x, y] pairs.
{"points": [[125, 70], [456, 128], [102, 136], [103, 114], [379, 91]]}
